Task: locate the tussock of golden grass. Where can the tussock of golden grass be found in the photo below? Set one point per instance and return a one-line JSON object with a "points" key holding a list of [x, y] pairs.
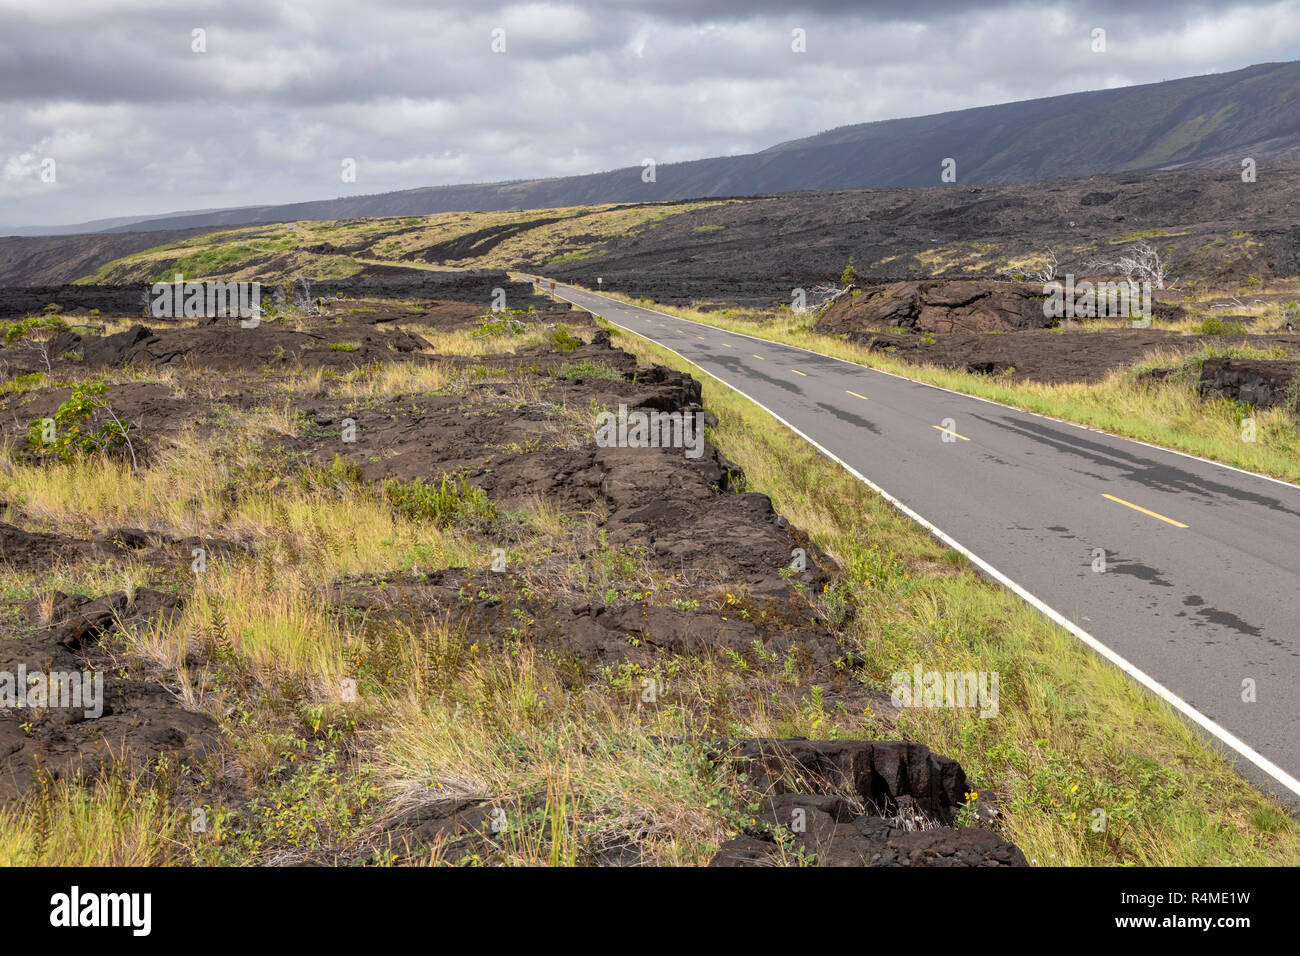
{"points": [[272, 617], [505, 730], [180, 491], [87, 577], [354, 533], [568, 558], [544, 518], [274, 613], [121, 823], [466, 343], [183, 493], [404, 378]]}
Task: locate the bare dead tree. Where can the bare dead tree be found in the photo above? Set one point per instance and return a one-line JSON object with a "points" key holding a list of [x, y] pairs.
{"points": [[303, 300], [1139, 263], [37, 336], [1235, 303], [1049, 272], [1290, 316], [126, 437], [823, 294], [41, 346]]}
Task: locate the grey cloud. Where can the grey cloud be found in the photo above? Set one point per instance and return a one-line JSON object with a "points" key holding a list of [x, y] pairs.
{"points": [[411, 89]]}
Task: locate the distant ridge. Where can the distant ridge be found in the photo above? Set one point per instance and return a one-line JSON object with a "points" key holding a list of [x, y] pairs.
{"points": [[1212, 120]]}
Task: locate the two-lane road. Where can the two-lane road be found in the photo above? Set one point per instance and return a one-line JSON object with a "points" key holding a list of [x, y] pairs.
{"points": [[1199, 598]]}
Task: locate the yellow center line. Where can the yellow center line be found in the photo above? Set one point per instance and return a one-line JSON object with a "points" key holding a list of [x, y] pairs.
{"points": [[700, 337], [728, 345], [856, 395], [797, 372], [949, 431], [757, 356], [1129, 504]]}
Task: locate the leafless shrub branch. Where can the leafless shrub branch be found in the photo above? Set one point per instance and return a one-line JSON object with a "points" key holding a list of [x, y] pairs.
{"points": [[823, 294], [1046, 274], [1139, 263]]}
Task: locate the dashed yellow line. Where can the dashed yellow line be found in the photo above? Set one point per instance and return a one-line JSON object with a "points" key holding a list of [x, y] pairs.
{"points": [[797, 372], [949, 431], [1129, 504], [700, 337], [728, 345], [856, 395], [757, 356]]}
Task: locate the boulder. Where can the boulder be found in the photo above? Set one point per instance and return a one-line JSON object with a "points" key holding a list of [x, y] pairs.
{"points": [[859, 803], [938, 306], [1261, 383]]}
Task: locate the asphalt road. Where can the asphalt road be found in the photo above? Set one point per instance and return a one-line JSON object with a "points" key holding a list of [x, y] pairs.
{"points": [[1201, 589]]}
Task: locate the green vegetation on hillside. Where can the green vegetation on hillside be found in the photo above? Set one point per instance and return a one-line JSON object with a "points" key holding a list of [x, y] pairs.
{"points": [[340, 248]]}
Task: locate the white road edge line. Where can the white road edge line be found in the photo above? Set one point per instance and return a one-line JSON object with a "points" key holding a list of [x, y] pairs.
{"points": [[1150, 683], [950, 391]]}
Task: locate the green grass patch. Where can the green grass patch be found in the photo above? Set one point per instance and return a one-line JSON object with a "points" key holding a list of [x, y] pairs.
{"points": [[563, 339], [442, 504], [1141, 234], [212, 260], [588, 369], [1216, 326]]}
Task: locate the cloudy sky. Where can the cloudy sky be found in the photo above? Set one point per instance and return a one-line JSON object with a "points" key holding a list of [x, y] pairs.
{"points": [[141, 114]]}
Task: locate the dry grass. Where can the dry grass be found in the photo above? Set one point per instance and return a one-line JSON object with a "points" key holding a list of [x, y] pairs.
{"points": [[124, 822], [507, 731], [578, 764]]}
